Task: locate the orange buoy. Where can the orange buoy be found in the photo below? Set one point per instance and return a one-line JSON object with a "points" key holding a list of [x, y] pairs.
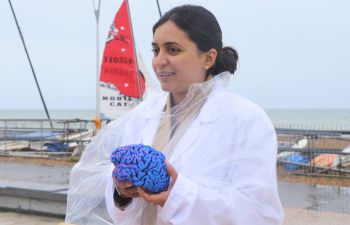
{"points": [[97, 122]]}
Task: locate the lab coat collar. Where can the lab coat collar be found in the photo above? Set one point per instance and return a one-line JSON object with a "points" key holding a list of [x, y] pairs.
{"points": [[208, 113]]}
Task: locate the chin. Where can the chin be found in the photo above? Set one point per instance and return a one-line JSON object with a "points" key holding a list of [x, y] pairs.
{"points": [[165, 88]]}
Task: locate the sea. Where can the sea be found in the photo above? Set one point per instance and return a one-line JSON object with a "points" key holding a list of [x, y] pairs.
{"points": [[319, 119]]}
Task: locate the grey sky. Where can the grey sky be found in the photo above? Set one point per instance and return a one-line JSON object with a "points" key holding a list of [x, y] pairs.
{"points": [[293, 53]]}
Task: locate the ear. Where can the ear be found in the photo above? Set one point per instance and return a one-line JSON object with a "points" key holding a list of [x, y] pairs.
{"points": [[210, 57]]}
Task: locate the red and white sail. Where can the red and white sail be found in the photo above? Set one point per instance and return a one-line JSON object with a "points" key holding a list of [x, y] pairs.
{"points": [[122, 85]]}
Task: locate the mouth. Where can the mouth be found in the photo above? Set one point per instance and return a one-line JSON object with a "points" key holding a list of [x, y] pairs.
{"points": [[166, 74]]}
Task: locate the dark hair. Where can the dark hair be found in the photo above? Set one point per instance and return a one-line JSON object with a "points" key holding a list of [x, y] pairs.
{"points": [[203, 29]]}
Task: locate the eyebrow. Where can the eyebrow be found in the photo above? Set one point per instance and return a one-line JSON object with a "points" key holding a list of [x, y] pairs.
{"points": [[167, 43]]}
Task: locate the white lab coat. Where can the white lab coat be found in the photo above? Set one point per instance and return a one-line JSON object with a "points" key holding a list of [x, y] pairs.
{"points": [[226, 164]]}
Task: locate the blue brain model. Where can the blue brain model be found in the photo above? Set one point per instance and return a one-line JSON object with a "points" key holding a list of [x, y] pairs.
{"points": [[141, 165]]}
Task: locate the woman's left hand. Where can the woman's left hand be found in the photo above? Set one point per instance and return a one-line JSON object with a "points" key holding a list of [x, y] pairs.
{"points": [[160, 198]]}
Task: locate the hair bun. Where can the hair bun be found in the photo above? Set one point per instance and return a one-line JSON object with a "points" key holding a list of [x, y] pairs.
{"points": [[227, 60]]}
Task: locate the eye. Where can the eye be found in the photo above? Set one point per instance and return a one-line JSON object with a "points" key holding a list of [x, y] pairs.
{"points": [[155, 51], [173, 51]]}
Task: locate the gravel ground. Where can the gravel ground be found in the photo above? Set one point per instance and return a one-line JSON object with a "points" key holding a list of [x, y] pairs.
{"points": [[332, 204], [295, 216], [11, 218]]}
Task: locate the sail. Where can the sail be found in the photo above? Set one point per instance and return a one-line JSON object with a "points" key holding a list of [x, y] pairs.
{"points": [[121, 84]]}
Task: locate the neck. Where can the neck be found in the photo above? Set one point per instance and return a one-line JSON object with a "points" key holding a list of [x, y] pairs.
{"points": [[176, 98]]}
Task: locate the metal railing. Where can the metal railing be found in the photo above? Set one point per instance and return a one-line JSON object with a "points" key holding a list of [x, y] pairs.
{"points": [[314, 152], [314, 174], [37, 136]]}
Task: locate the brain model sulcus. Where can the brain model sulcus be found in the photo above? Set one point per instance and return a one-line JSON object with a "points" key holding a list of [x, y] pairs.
{"points": [[141, 165]]}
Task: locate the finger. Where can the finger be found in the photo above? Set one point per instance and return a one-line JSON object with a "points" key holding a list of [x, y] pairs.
{"points": [[134, 195], [172, 173], [131, 195], [131, 188], [170, 169], [131, 191], [142, 193], [124, 185], [146, 196], [153, 198]]}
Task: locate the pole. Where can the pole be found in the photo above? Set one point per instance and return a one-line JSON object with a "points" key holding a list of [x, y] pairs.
{"points": [[160, 13], [97, 16], [133, 40], [31, 65]]}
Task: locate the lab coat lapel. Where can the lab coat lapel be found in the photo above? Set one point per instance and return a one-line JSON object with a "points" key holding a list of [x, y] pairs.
{"points": [[208, 114], [149, 131], [151, 117], [190, 135], [186, 141]]}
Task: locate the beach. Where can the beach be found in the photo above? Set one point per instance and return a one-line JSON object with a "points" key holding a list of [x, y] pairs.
{"points": [[292, 217], [12, 218], [297, 216], [303, 203]]}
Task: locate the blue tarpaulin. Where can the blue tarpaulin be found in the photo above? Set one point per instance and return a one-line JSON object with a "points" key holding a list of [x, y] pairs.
{"points": [[56, 146], [295, 159]]}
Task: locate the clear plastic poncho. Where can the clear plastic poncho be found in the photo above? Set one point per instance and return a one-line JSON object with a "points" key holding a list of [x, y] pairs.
{"points": [[88, 179]]}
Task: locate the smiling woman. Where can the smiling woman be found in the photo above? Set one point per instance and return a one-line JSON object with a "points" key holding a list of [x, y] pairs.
{"points": [[177, 61], [220, 148]]}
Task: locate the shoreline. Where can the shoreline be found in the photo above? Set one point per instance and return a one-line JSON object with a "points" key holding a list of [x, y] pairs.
{"points": [[64, 161]]}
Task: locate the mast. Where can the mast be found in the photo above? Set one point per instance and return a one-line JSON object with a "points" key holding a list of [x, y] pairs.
{"points": [[97, 16], [160, 13], [31, 65], [133, 39]]}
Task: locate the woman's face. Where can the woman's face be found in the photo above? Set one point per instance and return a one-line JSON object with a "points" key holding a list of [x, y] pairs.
{"points": [[177, 61]]}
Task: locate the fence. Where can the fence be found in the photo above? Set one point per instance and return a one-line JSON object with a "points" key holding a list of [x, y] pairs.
{"points": [[38, 137], [322, 153], [314, 174]]}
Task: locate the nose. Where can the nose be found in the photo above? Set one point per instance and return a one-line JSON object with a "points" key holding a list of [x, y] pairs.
{"points": [[160, 60]]}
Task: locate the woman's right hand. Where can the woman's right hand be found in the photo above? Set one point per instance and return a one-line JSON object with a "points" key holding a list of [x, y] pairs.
{"points": [[126, 189]]}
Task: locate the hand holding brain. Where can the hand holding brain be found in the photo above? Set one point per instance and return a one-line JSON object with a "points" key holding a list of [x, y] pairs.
{"points": [[141, 165]]}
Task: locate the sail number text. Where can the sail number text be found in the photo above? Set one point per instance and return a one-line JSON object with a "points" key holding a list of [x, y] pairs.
{"points": [[123, 60]]}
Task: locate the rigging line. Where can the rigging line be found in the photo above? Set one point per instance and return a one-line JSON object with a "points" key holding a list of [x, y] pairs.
{"points": [[160, 12], [97, 16], [133, 40], [30, 63]]}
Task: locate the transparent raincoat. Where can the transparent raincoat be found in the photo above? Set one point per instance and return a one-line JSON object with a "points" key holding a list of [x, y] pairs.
{"points": [[222, 146]]}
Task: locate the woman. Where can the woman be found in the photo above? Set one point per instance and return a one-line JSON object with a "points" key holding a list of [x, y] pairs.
{"points": [[220, 147]]}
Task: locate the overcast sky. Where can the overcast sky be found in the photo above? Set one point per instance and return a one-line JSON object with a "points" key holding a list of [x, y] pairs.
{"points": [[293, 53]]}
